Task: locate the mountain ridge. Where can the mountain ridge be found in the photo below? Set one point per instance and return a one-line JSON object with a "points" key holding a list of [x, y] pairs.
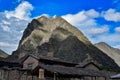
{"points": [[114, 53], [56, 37]]}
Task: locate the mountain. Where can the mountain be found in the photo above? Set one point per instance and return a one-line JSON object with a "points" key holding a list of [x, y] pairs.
{"points": [[55, 37], [114, 53], [3, 54]]}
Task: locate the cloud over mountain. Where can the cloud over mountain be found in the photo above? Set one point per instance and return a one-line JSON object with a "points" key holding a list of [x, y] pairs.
{"points": [[12, 23], [87, 22], [22, 12]]}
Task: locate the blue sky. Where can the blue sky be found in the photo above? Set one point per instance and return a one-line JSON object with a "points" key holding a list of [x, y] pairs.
{"points": [[99, 20]]}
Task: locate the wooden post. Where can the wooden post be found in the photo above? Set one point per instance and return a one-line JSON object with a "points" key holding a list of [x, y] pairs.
{"points": [[1, 77], [95, 77], [26, 76], [32, 77], [80, 78], [54, 75], [83, 78], [7, 74], [91, 78], [41, 74]]}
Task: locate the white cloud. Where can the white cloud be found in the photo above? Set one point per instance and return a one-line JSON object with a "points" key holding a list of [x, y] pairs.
{"points": [[8, 47], [83, 20], [12, 23], [92, 13], [97, 31], [42, 15], [5, 28], [21, 12], [117, 29], [6, 44], [5, 22], [75, 19], [82, 17], [111, 15], [86, 22], [110, 38], [117, 46]]}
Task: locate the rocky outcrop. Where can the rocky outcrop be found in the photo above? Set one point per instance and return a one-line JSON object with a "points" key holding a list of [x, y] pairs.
{"points": [[114, 53], [55, 37], [3, 54]]}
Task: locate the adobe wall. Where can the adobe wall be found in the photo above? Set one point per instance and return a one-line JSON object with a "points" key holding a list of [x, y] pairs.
{"points": [[30, 60]]}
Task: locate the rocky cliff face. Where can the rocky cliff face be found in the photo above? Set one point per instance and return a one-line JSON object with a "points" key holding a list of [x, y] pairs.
{"points": [[55, 37], [114, 53], [3, 54]]}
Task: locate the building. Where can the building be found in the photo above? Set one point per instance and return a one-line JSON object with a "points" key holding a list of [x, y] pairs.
{"points": [[52, 68], [32, 67]]}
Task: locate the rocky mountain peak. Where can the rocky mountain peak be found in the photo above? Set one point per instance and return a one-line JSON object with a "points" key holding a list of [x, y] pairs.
{"points": [[55, 37], [43, 28]]}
